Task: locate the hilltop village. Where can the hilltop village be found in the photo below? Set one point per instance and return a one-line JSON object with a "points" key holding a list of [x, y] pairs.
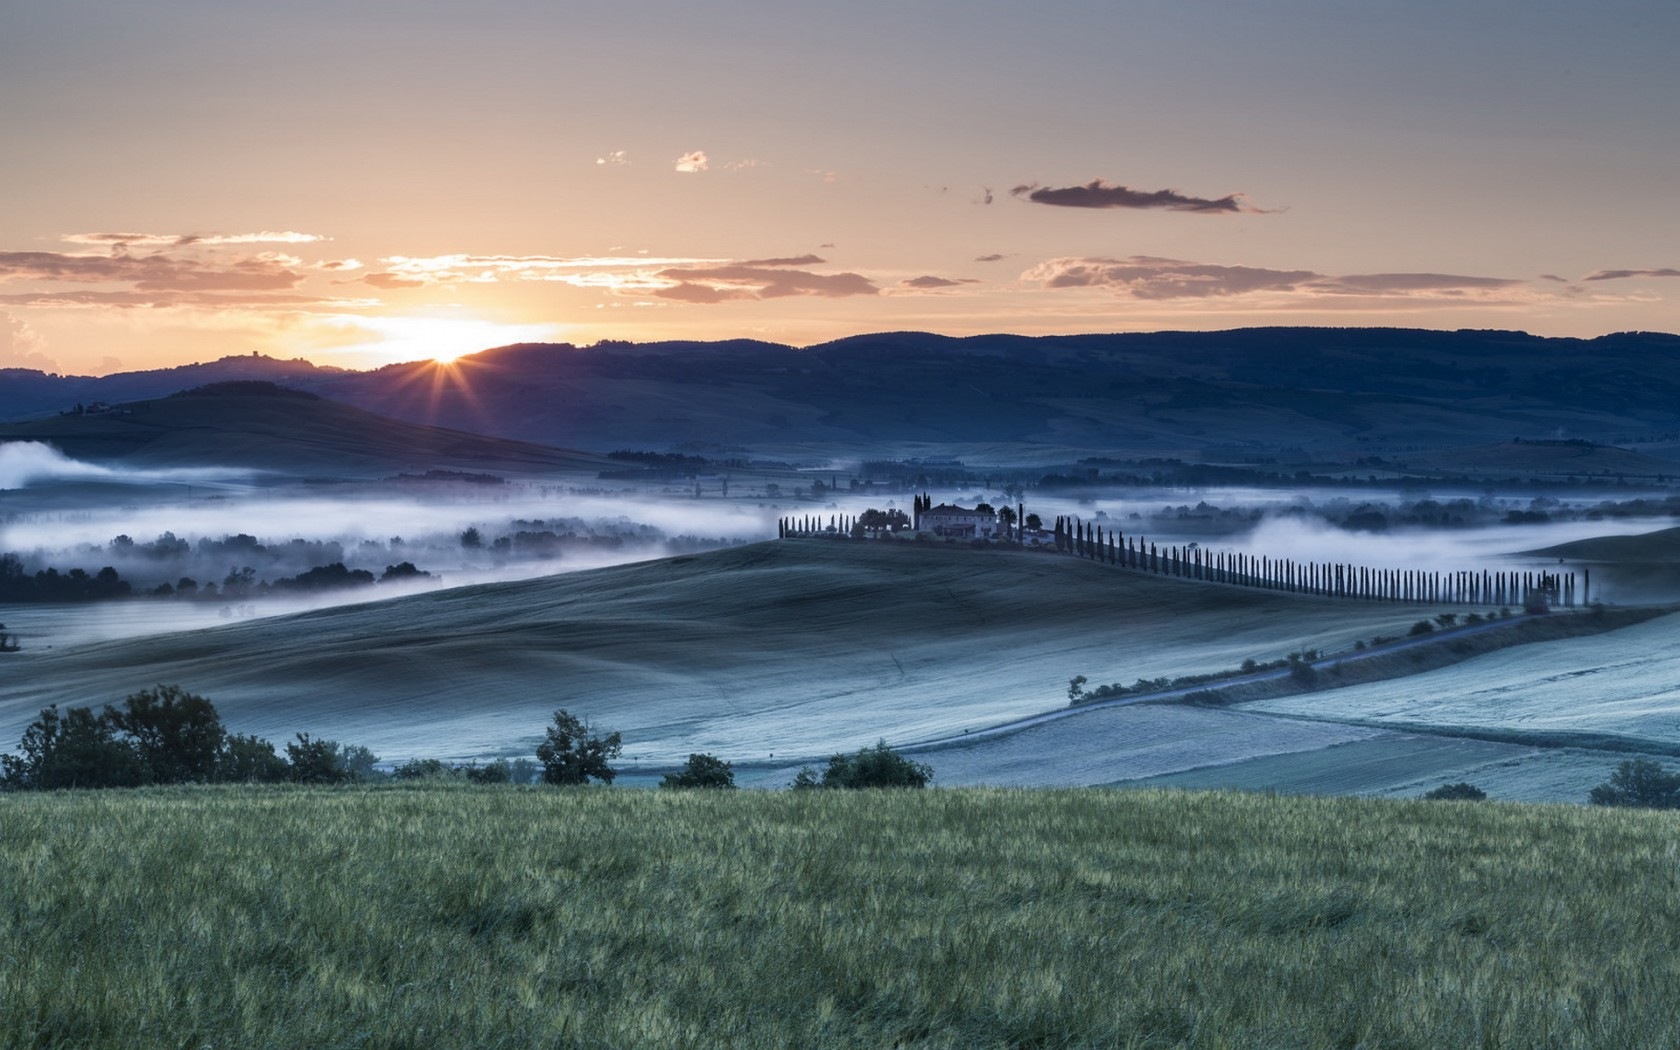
{"points": [[984, 525]]}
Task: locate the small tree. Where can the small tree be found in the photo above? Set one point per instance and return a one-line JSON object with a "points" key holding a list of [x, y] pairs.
{"points": [[314, 761], [1460, 792], [78, 749], [177, 734], [574, 753], [1639, 782], [250, 760], [701, 771], [878, 766], [1076, 688]]}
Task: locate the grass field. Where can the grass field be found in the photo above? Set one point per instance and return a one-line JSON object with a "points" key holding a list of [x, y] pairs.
{"points": [[440, 916]]}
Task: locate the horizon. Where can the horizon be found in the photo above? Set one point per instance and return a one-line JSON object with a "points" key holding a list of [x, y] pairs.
{"points": [[609, 343], [398, 182]]}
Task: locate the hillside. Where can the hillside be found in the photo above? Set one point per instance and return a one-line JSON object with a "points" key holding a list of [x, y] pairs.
{"points": [[258, 425], [440, 917], [1327, 389], [1320, 391], [793, 648], [1662, 546]]}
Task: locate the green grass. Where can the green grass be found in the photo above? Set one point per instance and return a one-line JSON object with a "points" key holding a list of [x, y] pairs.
{"points": [[449, 916]]}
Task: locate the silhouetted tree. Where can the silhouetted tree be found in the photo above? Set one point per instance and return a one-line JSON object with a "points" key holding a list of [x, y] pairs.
{"points": [[878, 766], [315, 761], [250, 760], [701, 771], [574, 753], [177, 735], [1639, 782], [76, 750], [1460, 792]]}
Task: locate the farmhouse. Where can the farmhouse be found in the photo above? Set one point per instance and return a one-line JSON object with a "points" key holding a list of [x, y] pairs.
{"points": [[959, 522]]}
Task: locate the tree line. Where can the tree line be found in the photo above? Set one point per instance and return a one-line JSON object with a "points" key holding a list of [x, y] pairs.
{"points": [[166, 735]]}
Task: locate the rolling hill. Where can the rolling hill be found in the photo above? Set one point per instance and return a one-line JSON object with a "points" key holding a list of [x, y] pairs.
{"points": [[258, 425], [794, 648]]}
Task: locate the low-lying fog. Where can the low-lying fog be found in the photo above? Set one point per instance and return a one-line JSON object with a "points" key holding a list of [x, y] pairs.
{"points": [[199, 548]]}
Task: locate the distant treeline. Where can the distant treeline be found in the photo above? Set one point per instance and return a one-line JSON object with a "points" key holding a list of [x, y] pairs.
{"points": [[77, 585]]}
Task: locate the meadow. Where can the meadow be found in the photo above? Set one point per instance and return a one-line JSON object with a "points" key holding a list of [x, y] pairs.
{"points": [[442, 916]]}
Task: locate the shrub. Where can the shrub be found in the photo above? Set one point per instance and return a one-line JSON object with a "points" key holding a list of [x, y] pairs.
{"points": [[314, 761], [497, 772], [423, 769], [250, 760], [1459, 792], [78, 749], [1420, 628], [572, 752], [872, 767], [701, 771], [1639, 782]]}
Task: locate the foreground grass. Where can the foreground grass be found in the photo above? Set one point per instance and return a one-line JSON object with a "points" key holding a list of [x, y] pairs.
{"points": [[455, 916]]}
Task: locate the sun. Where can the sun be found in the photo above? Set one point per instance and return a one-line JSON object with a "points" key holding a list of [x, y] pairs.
{"points": [[440, 340]]}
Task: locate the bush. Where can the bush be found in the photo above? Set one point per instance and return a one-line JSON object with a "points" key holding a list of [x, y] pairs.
{"points": [[315, 761], [573, 753], [250, 760], [874, 767], [1639, 782], [1420, 628], [177, 735], [702, 771], [1459, 792], [75, 750]]}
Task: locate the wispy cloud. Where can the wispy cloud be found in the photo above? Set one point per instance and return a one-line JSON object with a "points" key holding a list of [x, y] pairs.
{"points": [[1100, 194], [722, 283], [691, 163], [617, 158], [796, 260], [182, 240], [1617, 275], [1154, 278], [993, 257], [157, 272], [928, 282], [463, 268]]}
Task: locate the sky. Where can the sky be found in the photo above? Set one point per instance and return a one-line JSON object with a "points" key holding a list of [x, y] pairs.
{"points": [[378, 181]]}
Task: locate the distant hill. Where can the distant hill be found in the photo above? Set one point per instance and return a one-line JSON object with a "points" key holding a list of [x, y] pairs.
{"points": [[1650, 548], [1329, 390], [259, 425], [1555, 459]]}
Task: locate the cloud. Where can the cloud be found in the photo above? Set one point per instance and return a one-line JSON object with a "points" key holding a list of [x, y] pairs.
{"points": [[1148, 277], [157, 272], [797, 260], [339, 265], [985, 195], [20, 346], [721, 283], [1100, 194], [1153, 278], [693, 162], [616, 158], [928, 281], [994, 257], [182, 240], [463, 268], [1616, 275], [1405, 283], [391, 280]]}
